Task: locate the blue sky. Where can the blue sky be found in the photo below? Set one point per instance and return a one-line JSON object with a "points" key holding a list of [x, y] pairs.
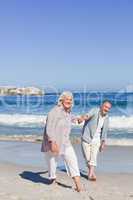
{"points": [[66, 43]]}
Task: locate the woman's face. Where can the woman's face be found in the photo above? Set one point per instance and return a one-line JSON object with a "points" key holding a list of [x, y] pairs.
{"points": [[67, 103]]}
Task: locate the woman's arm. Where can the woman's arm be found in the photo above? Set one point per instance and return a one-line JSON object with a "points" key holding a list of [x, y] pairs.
{"points": [[51, 124]]}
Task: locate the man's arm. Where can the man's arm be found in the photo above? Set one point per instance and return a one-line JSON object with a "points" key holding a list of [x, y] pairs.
{"points": [[83, 118], [104, 135], [86, 116], [102, 146]]}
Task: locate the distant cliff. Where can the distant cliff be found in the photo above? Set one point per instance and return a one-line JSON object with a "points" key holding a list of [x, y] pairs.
{"points": [[5, 90]]}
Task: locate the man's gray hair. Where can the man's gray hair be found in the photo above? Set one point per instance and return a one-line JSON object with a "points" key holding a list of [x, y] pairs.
{"points": [[63, 96], [107, 101]]}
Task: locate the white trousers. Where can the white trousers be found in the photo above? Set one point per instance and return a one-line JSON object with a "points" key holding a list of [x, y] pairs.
{"points": [[70, 160], [90, 152]]}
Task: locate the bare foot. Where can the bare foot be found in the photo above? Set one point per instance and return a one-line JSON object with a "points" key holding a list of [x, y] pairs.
{"points": [[80, 189], [52, 181], [92, 177]]}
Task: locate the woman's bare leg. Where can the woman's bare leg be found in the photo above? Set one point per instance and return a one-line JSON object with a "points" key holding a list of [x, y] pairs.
{"points": [[77, 183]]}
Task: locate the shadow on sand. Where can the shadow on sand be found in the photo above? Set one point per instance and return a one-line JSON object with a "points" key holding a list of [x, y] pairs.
{"points": [[37, 178]]}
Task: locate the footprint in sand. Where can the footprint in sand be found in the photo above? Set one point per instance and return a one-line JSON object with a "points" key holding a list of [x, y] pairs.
{"points": [[8, 196], [2, 194], [14, 197]]}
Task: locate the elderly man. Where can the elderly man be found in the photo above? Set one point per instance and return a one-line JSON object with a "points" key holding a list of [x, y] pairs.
{"points": [[94, 135]]}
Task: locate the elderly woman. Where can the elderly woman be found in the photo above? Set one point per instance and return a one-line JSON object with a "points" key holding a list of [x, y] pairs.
{"points": [[56, 140]]}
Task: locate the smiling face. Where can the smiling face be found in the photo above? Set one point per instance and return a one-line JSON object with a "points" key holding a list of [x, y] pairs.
{"points": [[67, 102], [105, 108]]}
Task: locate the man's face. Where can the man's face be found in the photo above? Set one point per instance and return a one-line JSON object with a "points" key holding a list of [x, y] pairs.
{"points": [[105, 108]]}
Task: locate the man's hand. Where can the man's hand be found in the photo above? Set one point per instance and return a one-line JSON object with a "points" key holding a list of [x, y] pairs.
{"points": [[102, 146], [82, 118]]}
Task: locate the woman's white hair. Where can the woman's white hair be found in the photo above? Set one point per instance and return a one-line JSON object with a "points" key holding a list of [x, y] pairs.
{"points": [[63, 96]]}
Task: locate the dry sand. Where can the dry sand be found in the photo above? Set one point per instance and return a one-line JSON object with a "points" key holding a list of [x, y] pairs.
{"points": [[31, 183]]}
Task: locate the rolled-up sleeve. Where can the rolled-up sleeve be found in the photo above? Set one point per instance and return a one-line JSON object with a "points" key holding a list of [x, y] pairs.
{"points": [[91, 112], [73, 118]]}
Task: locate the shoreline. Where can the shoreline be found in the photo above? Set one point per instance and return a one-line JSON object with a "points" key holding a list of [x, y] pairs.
{"points": [[112, 159], [75, 139]]}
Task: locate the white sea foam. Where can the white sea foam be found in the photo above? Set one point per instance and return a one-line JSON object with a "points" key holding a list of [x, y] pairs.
{"points": [[22, 120], [121, 122], [120, 142], [25, 120]]}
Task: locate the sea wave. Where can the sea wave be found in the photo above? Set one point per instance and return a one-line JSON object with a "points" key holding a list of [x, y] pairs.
{"points": [[24, 120]]}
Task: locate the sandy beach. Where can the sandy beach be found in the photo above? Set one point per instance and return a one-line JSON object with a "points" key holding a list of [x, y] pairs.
{"points": [[23, 175]]}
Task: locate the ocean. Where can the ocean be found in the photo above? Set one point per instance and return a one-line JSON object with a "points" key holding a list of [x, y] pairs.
{"points": [[26, 115]]}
